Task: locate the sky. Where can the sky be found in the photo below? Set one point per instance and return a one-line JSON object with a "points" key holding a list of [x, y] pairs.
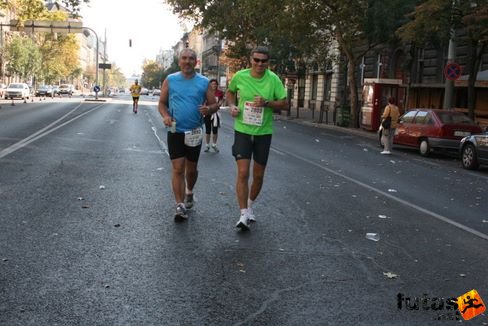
{"points": [[150, 25]]}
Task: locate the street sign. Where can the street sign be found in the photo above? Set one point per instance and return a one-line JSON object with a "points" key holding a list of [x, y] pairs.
{"points": [[96, 89], [452, 71], [105, 65], [46, 26]]}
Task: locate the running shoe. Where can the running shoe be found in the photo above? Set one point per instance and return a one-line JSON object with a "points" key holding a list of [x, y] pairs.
{"points": [[215, 148], [180, 214], [250, 215], [243, 222], [207, 148], [189, 201]]}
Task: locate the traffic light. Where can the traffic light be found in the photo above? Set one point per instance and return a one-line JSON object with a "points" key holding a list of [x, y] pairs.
{"points": [[130, 42]]}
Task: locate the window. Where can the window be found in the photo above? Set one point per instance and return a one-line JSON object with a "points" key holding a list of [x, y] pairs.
{"points": [[420, 66], [408, 117], [315, 81], [327, 86], [422, 117]]}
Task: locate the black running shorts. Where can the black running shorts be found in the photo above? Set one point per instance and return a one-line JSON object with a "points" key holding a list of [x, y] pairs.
{"points": [[177, 147], [248, 146]]}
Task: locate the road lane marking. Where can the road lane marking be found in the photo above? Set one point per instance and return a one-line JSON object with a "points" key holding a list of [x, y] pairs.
{"points": [[399, 200], [42, 132], [161, 142]]}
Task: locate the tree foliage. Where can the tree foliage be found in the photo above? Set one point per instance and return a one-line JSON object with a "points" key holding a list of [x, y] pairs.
{"points": [[116, 78], [58, 52], [23, 57], [302, 30], [152, 74]]}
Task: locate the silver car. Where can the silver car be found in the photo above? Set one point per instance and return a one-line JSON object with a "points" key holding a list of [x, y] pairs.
{"points": [[17, 90]]}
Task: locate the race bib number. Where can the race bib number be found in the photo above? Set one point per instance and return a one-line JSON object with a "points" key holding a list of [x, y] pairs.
{"points": [[252, 115], [194, 137]]}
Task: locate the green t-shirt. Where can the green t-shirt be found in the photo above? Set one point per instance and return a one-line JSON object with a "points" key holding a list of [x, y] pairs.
{"points": [[256, 121]]}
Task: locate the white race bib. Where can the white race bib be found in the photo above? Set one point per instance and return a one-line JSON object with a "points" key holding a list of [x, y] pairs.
{"points": [[194, 137], [252, 115]]}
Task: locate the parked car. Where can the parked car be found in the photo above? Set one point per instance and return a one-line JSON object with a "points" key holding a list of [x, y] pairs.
{"points": [[44, 90], [144, 91], [67, 89], [156, 92], [17, 90], [429, 129], [473, 151]]}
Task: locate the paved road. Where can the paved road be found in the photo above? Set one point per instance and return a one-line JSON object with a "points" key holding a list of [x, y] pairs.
{"points": [[87, 234]]}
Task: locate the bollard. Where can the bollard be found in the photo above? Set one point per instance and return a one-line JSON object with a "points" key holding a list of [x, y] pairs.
{"points": [[12, 101]]}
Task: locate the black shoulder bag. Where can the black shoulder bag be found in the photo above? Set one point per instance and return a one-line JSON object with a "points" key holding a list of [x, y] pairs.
{"points": [[386, 123]]}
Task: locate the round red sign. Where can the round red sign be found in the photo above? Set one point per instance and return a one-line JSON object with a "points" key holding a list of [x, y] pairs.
{"points": [[452, 71]]}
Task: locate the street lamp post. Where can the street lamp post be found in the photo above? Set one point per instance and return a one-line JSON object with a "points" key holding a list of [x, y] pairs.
{"points": [[96, 59]]}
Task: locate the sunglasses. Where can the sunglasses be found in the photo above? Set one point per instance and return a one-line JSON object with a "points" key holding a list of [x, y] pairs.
{"points": [[257, 60]]}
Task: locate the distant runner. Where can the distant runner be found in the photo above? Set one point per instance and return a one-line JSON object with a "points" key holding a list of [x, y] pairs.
{"points": [[135, 91]]}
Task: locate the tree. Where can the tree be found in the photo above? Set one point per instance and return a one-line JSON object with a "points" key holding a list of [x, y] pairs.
{"points": [[358, 26], [432, 22], [116, 78], [242, 26], [152, 74], [23, 57], [302, 29]]}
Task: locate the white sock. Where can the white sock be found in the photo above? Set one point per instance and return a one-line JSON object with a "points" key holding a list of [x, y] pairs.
{"points": [[243, 211], [249, 203]]}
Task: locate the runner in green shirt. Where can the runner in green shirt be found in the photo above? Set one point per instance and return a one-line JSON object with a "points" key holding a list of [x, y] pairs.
{"points": [[260, 93]]}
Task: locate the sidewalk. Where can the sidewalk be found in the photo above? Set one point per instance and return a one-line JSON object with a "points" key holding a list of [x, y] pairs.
{"points": [[305, 117]]}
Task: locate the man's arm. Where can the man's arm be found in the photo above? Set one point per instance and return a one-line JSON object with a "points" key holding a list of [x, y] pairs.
{"points": [[230, 97], [278, 105], [163, 104]]}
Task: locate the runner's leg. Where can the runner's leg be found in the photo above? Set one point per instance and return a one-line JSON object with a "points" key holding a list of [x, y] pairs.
{"points": [[242, 186], [257, 180], [178, 179], [191, 174]]}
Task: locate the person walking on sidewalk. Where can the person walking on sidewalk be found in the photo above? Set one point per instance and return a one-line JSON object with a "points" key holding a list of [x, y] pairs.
{"points": [[260, 93], [180, 106], [212, 122], [392, 111], [135, 91]]}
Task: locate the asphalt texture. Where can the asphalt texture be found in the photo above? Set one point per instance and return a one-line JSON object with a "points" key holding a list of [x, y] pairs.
{"points": [[88, 237]]}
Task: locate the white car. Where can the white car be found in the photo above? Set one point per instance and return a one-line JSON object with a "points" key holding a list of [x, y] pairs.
{"points": [[17, 90], [67, 89]]}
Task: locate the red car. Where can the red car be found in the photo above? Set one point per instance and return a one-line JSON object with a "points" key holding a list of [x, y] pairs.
{"points": [[428, 129]]}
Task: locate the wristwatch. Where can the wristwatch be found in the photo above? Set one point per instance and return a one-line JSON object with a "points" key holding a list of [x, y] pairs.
{"points": [[266, 103]]}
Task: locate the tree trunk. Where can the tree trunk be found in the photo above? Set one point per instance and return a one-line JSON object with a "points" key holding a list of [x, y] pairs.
{"points": [[476, 50], [353, 93], [351, 79]]}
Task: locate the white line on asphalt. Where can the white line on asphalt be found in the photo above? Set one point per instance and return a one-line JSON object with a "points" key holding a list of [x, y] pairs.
{"points": [[41, 133], [162, 143], [277, 151], [404, 202]]}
